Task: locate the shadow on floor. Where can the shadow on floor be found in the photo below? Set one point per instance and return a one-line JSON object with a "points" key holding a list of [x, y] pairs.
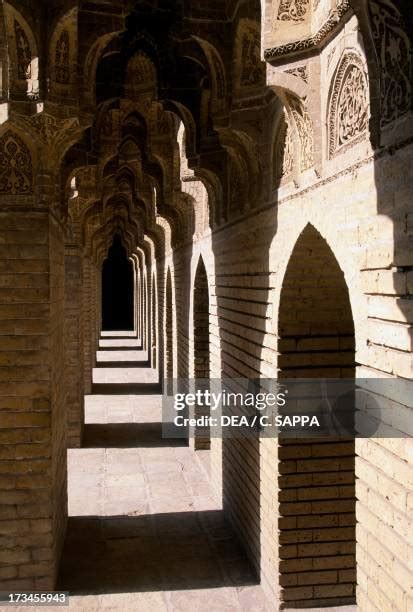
{"points": [[119, 347], [185, 550], [123, 364], [126, 388], [128, 435]]}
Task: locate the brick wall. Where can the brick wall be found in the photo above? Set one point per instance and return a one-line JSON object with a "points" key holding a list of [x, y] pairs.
{"points": [[89, 321], [74, 344], [33, 420], [249, 279]]}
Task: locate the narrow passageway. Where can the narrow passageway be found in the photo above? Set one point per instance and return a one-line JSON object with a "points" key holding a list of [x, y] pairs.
{"points": [[145, 531]]}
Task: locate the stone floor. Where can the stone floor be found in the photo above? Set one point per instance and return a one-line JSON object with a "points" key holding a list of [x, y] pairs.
{"points": [[145, 531]]}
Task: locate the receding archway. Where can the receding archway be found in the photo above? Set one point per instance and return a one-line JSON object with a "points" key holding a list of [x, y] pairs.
{"points": [[316, 476], [201, 348], [117, 289]]}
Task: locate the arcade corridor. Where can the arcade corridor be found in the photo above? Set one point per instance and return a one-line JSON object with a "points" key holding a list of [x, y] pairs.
{"points": [[193, 192], [145, 531]]}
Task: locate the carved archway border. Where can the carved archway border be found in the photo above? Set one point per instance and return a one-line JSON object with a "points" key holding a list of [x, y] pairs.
{"points": [[348, 60]]}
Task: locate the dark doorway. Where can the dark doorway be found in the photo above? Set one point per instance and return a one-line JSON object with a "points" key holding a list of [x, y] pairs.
{"points": [[117, 289]]}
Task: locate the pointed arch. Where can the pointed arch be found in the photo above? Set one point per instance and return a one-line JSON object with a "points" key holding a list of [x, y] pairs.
{"points": [[315, 304], [23, 55], [201, 348], [316, 476], [63, 55]]}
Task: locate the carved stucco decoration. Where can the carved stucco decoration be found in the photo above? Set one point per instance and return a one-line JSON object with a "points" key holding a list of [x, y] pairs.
{"points": [[24, 58], [284, 151], [62, 58], [52, 130], [16, 170], [316, 41], [348, 115], [141, 76], [24, 52], [251, 65], [108, 126], [288, 157], [330, 57], [394, 52], [305, 133], [300, 71], [293, 10], [250, 69]]}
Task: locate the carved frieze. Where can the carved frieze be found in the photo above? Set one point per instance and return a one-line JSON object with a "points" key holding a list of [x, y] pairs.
{"points": [[300, 71], [293, 10], [50, 129], [394, 55], [305, 132], [315, 41]]}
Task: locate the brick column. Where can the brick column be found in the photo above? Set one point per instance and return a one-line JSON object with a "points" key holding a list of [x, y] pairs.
{"points": [[89, 340], [95, 310], [32, 395], [74, 344]]}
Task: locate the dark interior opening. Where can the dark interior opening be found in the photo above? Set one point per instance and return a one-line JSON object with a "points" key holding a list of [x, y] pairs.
{"points": [[117, 289]]}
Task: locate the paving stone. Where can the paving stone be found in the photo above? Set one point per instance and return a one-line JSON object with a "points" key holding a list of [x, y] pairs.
{"points": [[145, 524]]}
